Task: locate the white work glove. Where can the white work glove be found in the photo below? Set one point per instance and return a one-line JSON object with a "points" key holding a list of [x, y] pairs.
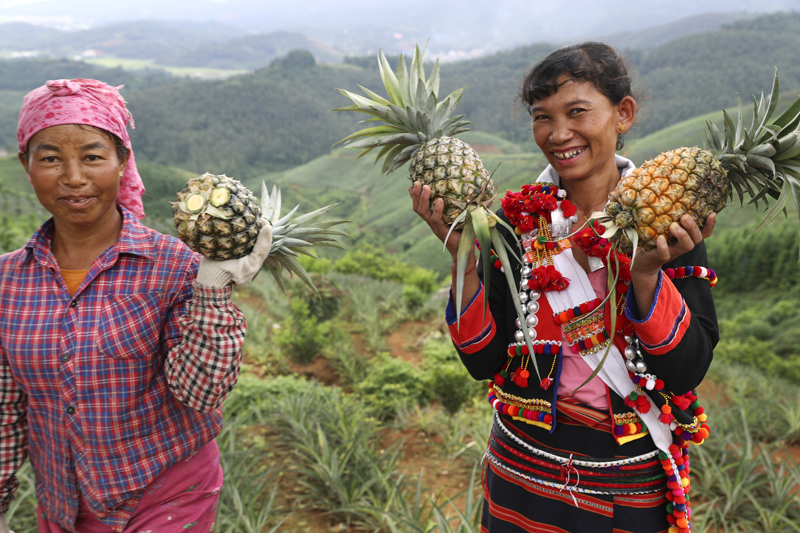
{"points": [[236, 271], [4, 524]]}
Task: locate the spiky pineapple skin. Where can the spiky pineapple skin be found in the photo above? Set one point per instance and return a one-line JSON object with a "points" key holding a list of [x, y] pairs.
{"points": [[656, 194], [455, 173], [219, 238]]}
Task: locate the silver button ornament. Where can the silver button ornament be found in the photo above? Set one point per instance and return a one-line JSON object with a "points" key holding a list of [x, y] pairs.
{"points": [[630, 352]]}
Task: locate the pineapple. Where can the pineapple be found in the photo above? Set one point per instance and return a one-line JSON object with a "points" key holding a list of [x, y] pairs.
{"points": [[219, 217], [762, 160], [417, 127], [420, 129], [455, 173]]}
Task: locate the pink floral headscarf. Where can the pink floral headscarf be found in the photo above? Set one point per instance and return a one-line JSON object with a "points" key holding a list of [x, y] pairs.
{"points": [[89, 102]]}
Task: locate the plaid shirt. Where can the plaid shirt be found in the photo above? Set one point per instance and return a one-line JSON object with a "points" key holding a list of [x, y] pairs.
{"points": [[107, 388]]}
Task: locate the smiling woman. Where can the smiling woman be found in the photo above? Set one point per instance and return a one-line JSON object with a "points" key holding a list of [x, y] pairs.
{"points": [[75, 171], [118, 344], [591, 429]]}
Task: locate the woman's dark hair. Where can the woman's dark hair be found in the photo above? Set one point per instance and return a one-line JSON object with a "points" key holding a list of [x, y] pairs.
{"points": [[597, 63]]}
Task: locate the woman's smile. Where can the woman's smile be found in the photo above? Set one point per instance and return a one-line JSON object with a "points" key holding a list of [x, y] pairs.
{"points": [[568, 155]]}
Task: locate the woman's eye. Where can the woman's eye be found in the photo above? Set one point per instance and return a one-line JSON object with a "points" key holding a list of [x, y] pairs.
{"points": [[49, 159], [577, 111], [93, 157], [539, 117]]}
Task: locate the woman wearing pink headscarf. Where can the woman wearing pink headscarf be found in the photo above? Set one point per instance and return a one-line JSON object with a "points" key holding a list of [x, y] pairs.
{"points": [[118, 344]]}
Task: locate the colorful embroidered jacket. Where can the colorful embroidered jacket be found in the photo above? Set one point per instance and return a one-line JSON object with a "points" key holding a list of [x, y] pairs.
{"points": [[107, 387], [677, 338]]}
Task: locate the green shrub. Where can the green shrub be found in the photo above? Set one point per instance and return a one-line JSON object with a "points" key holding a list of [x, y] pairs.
{"points": [[449, 381], [302, 336], [751, 352], [325, 303], [389, 384], [375, 263], [414, 298]]}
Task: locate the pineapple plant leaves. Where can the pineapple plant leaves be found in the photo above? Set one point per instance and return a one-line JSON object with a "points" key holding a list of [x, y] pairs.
{"points": [[761, 161], [219, 217], [296, 234], [419, 128]]}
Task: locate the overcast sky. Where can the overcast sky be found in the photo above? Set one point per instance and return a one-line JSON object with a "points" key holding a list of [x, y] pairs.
{"points": [[525, 21]]}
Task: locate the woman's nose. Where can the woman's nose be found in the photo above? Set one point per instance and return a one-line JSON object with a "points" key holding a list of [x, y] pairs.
{"points": [[560, 132], [73, 174]]}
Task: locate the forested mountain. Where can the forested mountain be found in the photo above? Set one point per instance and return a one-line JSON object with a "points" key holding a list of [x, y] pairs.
{"points": [[703, 72], [278, 116]]}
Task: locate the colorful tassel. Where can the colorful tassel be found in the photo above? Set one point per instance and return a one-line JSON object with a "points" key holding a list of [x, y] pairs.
{"points": [[520, 377]]}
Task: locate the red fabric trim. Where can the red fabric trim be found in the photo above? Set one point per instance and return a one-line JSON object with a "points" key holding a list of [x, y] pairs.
{"points": [[659, 335], [476, 329], [585, 501]]}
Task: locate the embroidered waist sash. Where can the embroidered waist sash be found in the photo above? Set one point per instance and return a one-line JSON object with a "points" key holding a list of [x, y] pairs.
{"points": [[512, 452]]}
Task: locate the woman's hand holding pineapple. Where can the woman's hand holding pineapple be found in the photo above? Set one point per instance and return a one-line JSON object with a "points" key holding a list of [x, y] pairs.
{"points": [[645, 270], [421, 197], [236, 271]]}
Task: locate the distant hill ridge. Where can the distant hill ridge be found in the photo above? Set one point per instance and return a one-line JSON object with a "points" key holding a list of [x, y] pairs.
{"points": [[278, 117]]}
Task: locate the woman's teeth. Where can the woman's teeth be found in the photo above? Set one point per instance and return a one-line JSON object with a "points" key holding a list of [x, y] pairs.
{"points": [[567, 155]]}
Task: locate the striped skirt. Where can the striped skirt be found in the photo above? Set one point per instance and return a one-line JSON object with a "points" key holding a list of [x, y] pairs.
{"points": [[574, 480]]}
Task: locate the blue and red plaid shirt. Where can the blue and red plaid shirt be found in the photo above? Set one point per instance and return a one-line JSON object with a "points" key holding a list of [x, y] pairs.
{"points": [[107, 388]]}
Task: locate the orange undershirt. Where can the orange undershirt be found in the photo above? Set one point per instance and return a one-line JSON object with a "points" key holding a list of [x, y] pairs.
{"points": [[73, 279]]}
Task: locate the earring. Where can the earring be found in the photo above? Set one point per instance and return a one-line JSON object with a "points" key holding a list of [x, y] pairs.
{"points": [[121, 173], [621, 128]]}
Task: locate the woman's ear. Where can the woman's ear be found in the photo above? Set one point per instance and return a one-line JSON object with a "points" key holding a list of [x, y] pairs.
{"points": [[123, 165], [627, 113], [23, 158]]}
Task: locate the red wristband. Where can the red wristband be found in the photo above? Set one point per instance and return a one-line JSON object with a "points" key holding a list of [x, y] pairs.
{"points": [[453, 268]]}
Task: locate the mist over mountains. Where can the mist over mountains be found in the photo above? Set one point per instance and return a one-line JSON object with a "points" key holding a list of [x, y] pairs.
{"points": [[453, 28]]}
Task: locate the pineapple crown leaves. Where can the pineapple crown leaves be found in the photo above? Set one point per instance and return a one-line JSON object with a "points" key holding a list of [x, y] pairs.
{"points": [[749, 154], [411, 115], [296, 234], [763, 160]]}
